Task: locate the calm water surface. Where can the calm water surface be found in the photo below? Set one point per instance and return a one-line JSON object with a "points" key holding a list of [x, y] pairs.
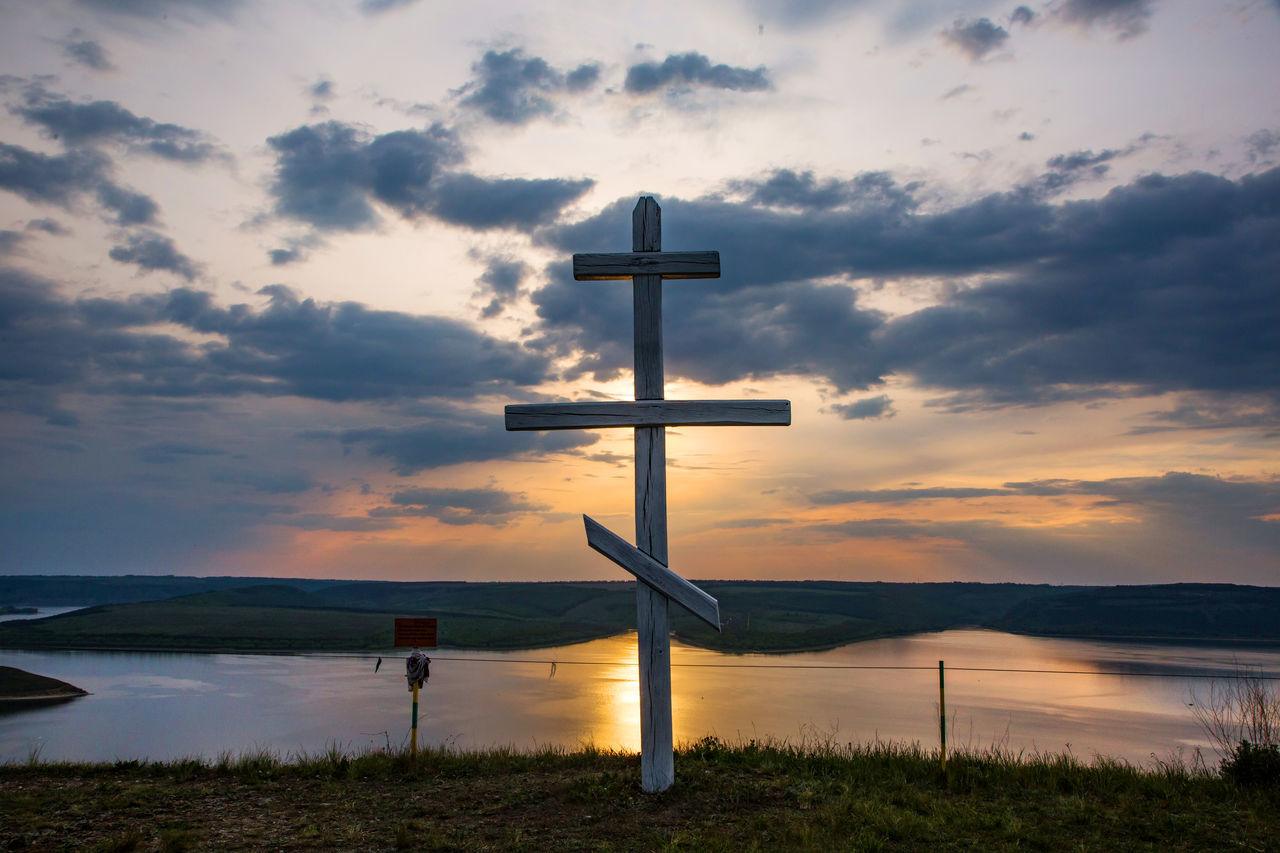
{"points": [[43, 613], [167, 705]]}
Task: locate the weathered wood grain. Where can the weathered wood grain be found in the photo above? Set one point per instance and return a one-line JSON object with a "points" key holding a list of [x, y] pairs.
{"points": [[657, 760], [650, 414], [667, 413], [589, 266], [652, 573], [653, 647]]}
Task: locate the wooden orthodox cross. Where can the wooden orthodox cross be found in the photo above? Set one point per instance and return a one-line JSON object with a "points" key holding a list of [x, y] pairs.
{"points": [[647, 265]]}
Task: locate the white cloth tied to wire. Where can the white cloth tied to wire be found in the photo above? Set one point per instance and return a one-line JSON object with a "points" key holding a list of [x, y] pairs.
{"points": [[417, 668]]}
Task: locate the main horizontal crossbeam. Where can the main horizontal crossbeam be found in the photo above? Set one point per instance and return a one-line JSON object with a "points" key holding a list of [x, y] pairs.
{"points": [[593, 267], [652, 413], [652, 573]]}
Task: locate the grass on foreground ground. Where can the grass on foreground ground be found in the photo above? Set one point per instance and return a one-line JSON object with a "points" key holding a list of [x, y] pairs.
{"points": [[752, 797]]}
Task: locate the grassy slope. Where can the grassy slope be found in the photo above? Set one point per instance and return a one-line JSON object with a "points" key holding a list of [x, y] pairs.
{"points": [[771, 616], [747, 798], [1172, 611]]}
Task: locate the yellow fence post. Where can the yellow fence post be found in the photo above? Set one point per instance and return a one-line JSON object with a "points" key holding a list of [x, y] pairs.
{"points": [[413, 730]]}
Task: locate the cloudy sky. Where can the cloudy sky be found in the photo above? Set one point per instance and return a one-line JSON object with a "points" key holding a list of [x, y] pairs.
{"points": [[270, 271]]}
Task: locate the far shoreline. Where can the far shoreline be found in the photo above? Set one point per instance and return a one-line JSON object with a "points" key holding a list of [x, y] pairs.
{"points": [[1249, 642]]}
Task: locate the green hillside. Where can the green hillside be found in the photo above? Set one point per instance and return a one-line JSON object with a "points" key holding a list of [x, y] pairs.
{"points": [[774, 616], [85, 590], [1172, 611]]}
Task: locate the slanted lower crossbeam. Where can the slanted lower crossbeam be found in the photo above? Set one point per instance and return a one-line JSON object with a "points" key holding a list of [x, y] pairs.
{"points": [[652, 573]]}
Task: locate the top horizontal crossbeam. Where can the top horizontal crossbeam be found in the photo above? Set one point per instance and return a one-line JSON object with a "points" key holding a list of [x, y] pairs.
{"points": [[597, 267], [648, 413]]}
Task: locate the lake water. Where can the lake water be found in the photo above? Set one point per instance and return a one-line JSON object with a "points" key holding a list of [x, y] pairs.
{"points": [[44, 612], [169, 705]]}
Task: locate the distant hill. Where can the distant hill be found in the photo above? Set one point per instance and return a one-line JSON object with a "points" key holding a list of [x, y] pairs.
{"points": [[1185, 611], [776, 616], [87, 590]]}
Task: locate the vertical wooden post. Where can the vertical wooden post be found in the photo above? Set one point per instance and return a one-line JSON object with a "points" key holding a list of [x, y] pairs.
{"points": [[413, 729], [657, 765], [942, 709]]}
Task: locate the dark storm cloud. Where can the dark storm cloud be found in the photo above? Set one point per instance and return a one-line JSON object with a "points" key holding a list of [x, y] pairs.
{"points": [[346, 351], [295, 250], [512, 88], [1261, 143], [1064, 170], [1067, 170], [290, 481], [582, 78], [455, 436], [290, 347], [321, 90], [330, 174], [715, 333], [377, 7], [1215, 412], [48, 226], [161, 10], [868, 409], [281, 257], [327, 174], [1174, 492], [687, 70], [62, 179], [895, 496], [1170, 524], [129, 207], [492, 507], [1169, 283], [54, 179], [1022, 15], [9, 241], [75, 124], [483, 203], [975, 38], [152, 252], [1126, 18], [88, 53], [803, 191], [500, 283], [801, 13]]}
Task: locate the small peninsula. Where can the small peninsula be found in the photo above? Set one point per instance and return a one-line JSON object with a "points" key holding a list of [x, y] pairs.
{"points": [[19, 688]]}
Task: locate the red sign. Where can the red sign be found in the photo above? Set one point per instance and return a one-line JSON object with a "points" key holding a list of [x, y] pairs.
{"points": [[417, 632]]}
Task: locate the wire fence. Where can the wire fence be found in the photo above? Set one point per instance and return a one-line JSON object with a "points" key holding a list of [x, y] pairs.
{"points": [[1261, 675]]}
